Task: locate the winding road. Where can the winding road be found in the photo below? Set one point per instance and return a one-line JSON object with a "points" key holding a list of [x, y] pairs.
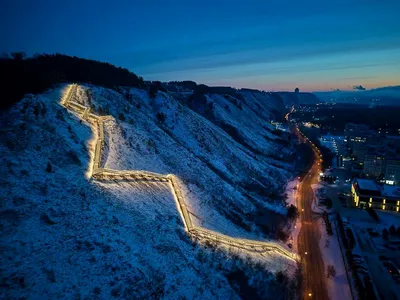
{"points": [[100, 173], [308, 240]]}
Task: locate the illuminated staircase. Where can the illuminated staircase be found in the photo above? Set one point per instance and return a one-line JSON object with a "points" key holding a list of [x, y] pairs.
{"points": [[97, 172]]}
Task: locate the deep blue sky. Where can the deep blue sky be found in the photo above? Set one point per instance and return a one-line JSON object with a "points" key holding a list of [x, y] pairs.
{"points": [[271, 45]]}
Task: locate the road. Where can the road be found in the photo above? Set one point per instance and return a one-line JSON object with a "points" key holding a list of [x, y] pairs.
{"points": [[308, 240]]}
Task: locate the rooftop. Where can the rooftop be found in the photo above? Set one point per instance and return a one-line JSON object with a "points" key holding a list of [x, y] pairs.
{"points": [[393, 137], [360, 128], [384, 190], [390, 191], [367, 184]]}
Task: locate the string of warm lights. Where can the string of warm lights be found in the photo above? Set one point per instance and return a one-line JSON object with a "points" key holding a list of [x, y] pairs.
{"points": [[100, 173]]}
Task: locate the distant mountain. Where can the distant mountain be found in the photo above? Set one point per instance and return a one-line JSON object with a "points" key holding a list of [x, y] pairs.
{"points": [[387, 88], [380, 96]]}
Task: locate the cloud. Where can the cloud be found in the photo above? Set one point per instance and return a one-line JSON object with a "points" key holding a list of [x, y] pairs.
{"points": [[358, 87]]}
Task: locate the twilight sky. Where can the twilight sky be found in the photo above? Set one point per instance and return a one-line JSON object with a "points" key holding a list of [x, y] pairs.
{"points": [[270, 44]]}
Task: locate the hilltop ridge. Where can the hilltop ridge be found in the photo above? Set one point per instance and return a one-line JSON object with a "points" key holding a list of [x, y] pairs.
{"points": [[230, 162]]}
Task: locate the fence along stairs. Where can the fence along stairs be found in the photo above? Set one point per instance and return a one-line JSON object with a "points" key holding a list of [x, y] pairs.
{"points": [[101, 173]]}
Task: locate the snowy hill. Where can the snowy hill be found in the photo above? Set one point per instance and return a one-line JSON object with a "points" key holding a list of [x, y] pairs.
{"points": [[66, 236]]}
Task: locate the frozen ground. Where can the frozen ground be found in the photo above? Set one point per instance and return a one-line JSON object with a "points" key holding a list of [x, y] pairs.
{"points": [[64, 236], [318, 207], [338, 286], [361, 219], [372, 247], [333, 143], [223, 179], [291, 192]]}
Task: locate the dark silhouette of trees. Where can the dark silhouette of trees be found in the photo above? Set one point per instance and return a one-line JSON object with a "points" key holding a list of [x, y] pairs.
{"points": [[363, 285], [328, 203], [153, 91], [156, 86], [161, 117], [350, 238], [21, 75], [373, 214], [330, 271], [186, 84], [328, 224], [292, 212], [121, 116], [385, 234], [18, 55], [49, 168]]}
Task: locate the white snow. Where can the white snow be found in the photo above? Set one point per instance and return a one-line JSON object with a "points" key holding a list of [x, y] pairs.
{"points": [[317, 207], [292, 191], [292, 195], [63, 234], [338, 286]]}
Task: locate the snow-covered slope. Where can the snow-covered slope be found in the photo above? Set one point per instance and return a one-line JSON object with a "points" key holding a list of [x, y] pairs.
{"points": [[66, 236], [222, 175]]}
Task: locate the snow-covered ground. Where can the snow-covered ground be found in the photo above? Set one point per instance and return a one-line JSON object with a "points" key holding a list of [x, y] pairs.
{"points": [[362, 220], [338, 286], [317, 207], [370, 248], [332, 142], [196, 151], [292, 191], [292, 195], [65, 236]]}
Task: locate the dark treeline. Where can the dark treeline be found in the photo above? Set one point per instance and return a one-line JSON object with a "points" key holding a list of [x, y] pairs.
{"points": [[334, 118], [35, 74], [327, 155]]}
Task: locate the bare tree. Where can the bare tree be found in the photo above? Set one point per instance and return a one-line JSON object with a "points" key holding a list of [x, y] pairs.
{"points": [[330, 270]]}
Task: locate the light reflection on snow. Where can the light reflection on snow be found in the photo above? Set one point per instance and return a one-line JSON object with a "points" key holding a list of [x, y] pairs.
{"points": [[96, 171]]}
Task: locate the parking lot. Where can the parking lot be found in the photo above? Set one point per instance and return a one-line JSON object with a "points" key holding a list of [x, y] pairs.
{"points": [[339, 191], [373, 255]]}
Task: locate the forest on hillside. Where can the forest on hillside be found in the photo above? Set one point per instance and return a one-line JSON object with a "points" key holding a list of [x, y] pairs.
{"points": [[23, 75]]}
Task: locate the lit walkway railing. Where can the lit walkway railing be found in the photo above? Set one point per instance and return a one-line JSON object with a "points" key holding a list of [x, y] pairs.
{"points": [[101, 173]]}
